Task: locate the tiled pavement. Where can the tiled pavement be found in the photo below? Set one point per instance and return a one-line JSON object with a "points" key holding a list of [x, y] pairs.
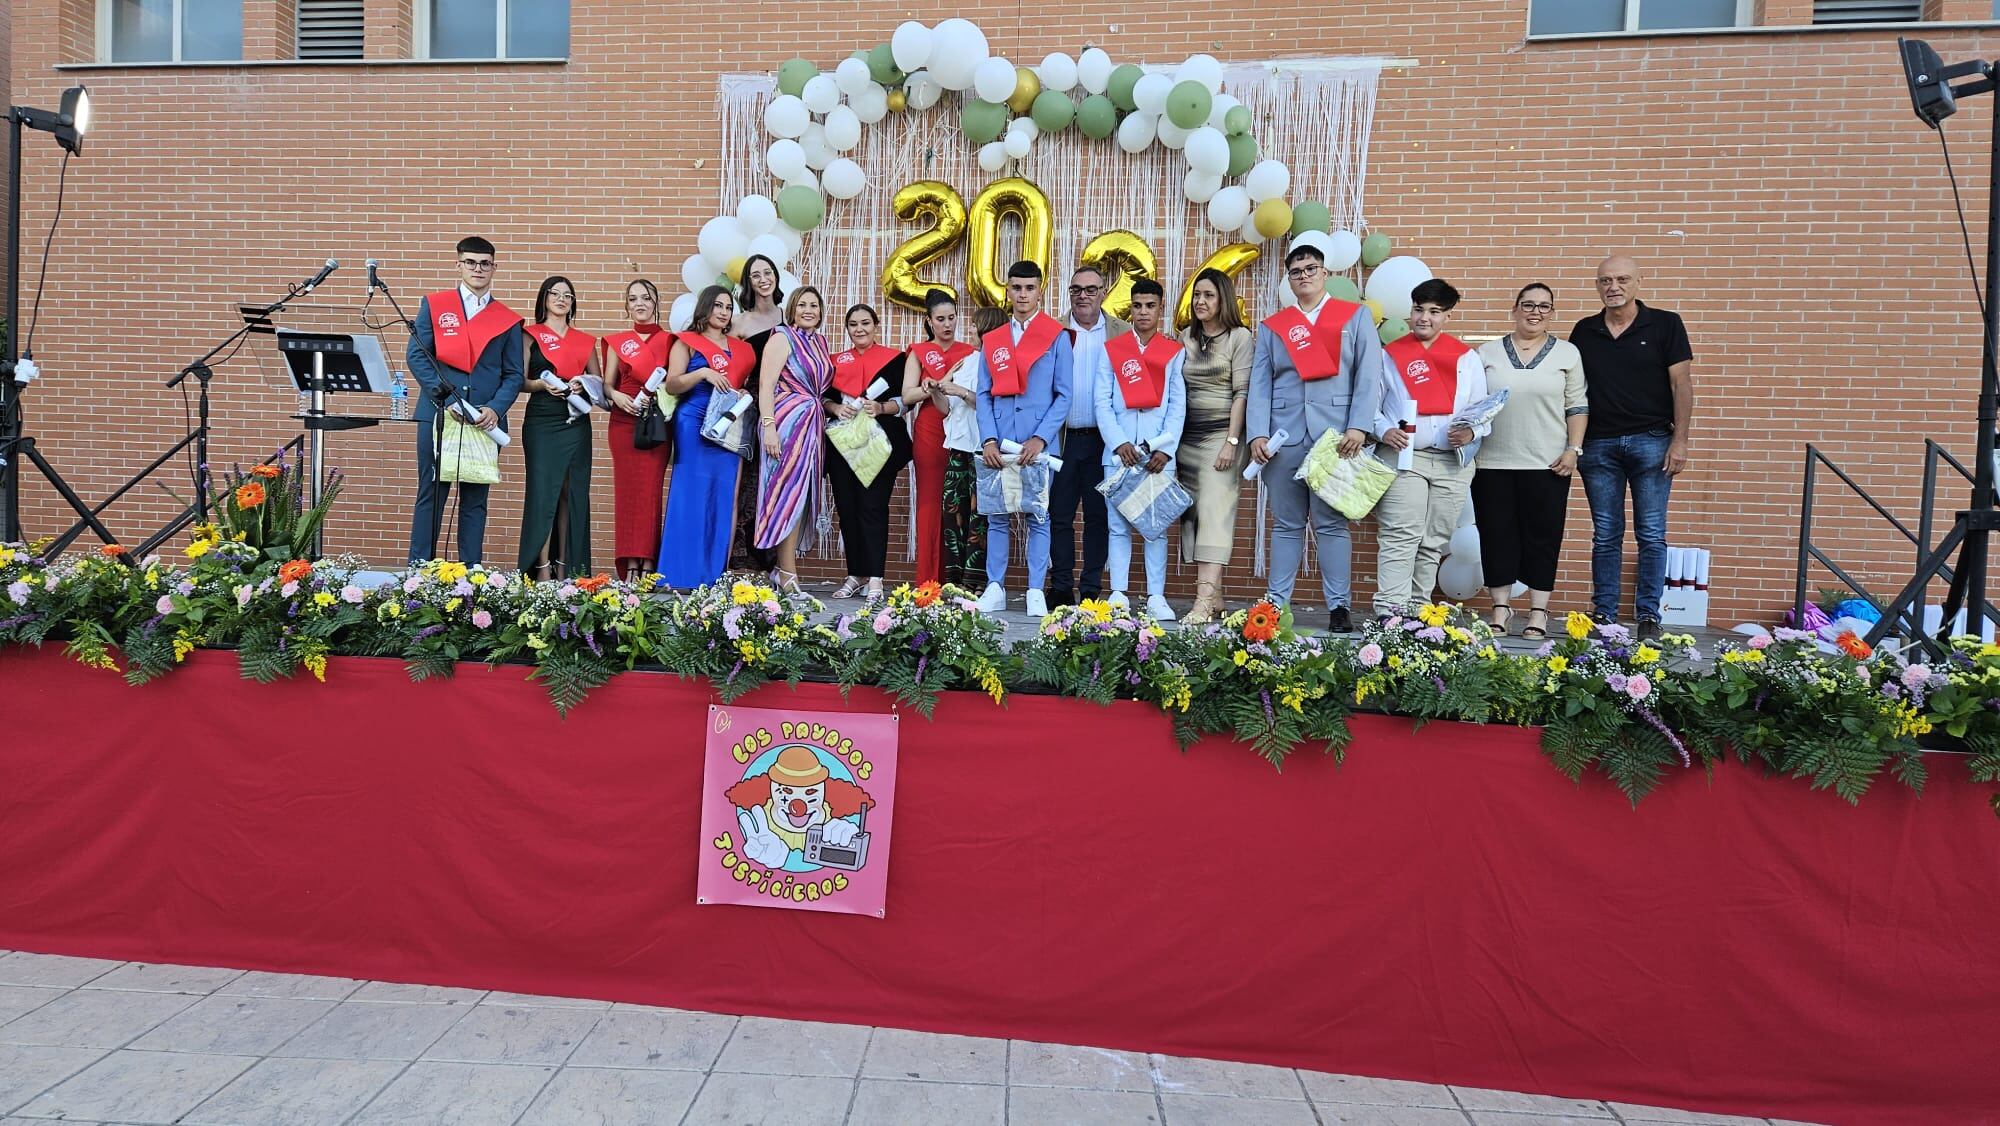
{"points": [[110, 1042]]}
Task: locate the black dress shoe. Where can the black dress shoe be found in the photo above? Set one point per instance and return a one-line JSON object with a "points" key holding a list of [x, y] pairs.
{"points": [[1060, 597], [1339, 621], [1649, 629]]}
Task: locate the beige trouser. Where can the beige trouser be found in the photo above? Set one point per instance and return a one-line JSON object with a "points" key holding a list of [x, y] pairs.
{"points": [[1414, 521]]}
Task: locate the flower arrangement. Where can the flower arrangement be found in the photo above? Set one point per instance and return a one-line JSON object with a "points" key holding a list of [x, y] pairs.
{"points": [[1960, 695], [1093, 651], [1604, 699], [1437, 663], [265, 508], [742, 634], [98, 601], [1257, 679], [919, 642]]}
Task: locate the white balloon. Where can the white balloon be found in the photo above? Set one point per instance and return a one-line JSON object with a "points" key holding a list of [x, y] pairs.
{"points": [[821, 93], [819, 151], [1459, 578], [1203, 69], [1200, 186], [844, 179], [1343, 250], [1389, 284], [1519, 589], [722, 240], [805, 179], [1222, 104], [1465, 514], [1228, 208], [1057, 72], [1207, 150], [785, 158], [957, 49], [696, 273], [1249, 232], [1464, 543], [1173, 136], [1137, 131], [786, 116], [1018, 145], [921, 90], [1316, 239], [1268, 179], [770, 246], [793, 241], [1093, 70], [1025, 125], [852, 76], [788, 281], [993, 156], [757, 214], [1150, 92], [993, 80], [842, 129], [910, 46], [1286, 298], [681, 314], [870, 105]]}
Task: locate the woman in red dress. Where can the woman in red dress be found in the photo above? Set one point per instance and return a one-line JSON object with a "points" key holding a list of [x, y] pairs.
{"points": [[933, 396], [638, 476]]}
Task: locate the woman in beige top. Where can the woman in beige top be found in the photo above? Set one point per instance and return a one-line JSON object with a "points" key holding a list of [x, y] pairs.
{"points": [[1217, 367], [1520, 493]]}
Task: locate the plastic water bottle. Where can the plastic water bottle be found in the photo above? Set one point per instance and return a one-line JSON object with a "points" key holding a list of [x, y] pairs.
{"points": [[399, 398], [305, 403]]}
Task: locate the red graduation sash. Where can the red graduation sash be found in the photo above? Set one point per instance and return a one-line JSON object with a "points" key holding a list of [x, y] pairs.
{"points": [[854, 371], [733, 364], [568, 353], [1141, 372], [1429, 374], [1008, 363], [459, 344], [637, 353], [1313, 346], [937, 362]]}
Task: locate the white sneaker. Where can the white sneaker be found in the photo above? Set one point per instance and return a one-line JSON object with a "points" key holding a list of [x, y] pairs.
{"points": [[1038, 606], [1118, 601], [1157, 607], [994, 600]]}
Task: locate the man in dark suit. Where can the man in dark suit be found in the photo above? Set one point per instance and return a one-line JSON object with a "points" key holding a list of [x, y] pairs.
{"points": [[466, 345]]}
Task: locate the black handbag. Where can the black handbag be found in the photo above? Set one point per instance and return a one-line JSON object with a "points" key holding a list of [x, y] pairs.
{"points": [[649, 430]]}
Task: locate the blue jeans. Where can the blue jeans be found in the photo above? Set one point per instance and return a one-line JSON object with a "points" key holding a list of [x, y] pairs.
{"points": [[1607, 466]]}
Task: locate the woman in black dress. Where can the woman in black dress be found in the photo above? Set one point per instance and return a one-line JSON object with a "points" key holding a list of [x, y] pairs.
{"points": [[555, 442], [760, 308]]}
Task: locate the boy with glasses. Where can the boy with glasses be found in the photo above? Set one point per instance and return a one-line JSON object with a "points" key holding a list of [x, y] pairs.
{"points": [[466, 345]]}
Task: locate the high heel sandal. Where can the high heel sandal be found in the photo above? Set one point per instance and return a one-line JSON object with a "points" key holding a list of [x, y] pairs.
{"points": [[1503, 613], [1206, 604], [848, 589], [785, 581], [874, 590], [1533, 632]]}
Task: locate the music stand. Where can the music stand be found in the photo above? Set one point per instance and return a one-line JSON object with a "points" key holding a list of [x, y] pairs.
{"points": [[321, 363]]}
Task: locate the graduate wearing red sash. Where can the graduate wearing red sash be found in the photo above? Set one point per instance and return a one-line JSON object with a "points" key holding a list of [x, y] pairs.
{"points": [[1024, 392], [1427, 377], [555, 447], [638, 477], [1312, 367], [700, 521], [951, 539], [867, 378], [467, 344], [1140, 412]]}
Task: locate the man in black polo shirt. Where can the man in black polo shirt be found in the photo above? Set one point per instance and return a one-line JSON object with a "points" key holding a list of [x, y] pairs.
{"points": [[1638, 366]]}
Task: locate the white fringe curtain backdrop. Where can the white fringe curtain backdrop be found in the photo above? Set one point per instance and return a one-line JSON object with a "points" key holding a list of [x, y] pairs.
{"points": [[1313, 114]]}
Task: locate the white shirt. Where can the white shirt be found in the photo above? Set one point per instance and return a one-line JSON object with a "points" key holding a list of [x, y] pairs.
{"points": [[475, 303], [1313, 313], [1433, 430], [1088, 362]]}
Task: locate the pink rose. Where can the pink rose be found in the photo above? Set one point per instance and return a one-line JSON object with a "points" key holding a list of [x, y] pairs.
{"points": [[481, 619], [1370, 655], [1760, 641], [289, 588], [1638, 687], [353, 595], [165, 605], [884, 623]]}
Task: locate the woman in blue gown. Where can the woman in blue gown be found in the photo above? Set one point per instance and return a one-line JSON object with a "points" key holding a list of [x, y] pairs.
{"points": [[701, 490]]}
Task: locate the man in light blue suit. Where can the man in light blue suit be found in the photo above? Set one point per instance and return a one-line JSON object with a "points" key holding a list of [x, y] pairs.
{"points": [[1141, 407], [1023, 376], [1313, 369]]}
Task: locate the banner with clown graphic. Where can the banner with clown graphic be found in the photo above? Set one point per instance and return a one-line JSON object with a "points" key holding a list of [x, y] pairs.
{"points": [[796, 809]]}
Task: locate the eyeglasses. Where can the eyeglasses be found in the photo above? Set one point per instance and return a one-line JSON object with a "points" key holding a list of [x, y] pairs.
{"points": [[1300, 273], [477, 267], [1085, 290], [555, 294], [1535, 307]]}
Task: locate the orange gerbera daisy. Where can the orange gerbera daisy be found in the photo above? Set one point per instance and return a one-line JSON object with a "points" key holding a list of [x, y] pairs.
{"points": [[1261, 624], [1853, 645], [267, 472], [928, 593], [111, 550], [593, 584], [249, 494], [294, 571]]}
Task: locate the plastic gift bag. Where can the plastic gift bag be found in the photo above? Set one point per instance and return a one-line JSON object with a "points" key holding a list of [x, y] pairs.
{"points": [[1014, 488], [1150, 502], [730, 420], [1351, 486], [465, 454], [861, 441]]}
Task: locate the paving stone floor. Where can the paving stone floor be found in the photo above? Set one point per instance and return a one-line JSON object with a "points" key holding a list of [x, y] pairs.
{"points": [[87, 1041]]}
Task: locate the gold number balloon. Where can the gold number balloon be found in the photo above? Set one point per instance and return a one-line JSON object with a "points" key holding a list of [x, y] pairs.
{"points": [[1231, 260], [930, 201], [1126, 257], [985, 276]]}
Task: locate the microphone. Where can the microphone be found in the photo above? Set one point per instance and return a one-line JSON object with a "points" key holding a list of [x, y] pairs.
{"points": [[374, 283], [313, 283]]}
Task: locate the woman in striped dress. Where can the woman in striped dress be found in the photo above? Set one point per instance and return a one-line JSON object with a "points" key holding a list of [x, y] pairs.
{"points": [[793, 374]]}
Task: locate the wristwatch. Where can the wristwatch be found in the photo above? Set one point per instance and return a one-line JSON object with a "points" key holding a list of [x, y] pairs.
{"points": [[1234, 441], [1577, 450]]}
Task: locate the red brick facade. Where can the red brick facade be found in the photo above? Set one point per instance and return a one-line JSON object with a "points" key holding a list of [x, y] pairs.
{"points": [[1773, 184]]}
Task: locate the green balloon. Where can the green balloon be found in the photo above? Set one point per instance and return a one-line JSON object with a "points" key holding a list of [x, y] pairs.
{"points": [[1052, 111], [1242, 153], [793, 76], [1237, 121], [1311, 215], [1097, 117], [1119, 87], [982, 122], [1395, 328], [1188, 104], [801, 207], [882, 66], [1344, 288], [1375, 249]]}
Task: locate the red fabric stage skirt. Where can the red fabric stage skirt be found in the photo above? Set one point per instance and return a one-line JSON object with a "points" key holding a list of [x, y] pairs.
{"points": [[1446, 907]]}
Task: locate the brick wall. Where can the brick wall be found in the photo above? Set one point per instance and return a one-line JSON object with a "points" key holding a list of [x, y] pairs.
{"points": [[1774, 186]]}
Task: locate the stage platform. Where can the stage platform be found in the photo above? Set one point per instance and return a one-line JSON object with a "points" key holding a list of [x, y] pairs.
{"points": [[1446, 907]]}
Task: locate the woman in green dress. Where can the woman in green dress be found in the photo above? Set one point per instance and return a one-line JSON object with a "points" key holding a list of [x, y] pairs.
{"points": [[556, 439]]}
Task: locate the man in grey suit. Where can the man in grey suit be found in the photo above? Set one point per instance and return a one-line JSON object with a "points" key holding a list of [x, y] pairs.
{"points": [[1312, 366]]}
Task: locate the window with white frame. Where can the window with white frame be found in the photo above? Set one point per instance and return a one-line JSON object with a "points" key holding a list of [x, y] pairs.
{"points": [[492, 29], [1576, 17], [169, 31]]}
